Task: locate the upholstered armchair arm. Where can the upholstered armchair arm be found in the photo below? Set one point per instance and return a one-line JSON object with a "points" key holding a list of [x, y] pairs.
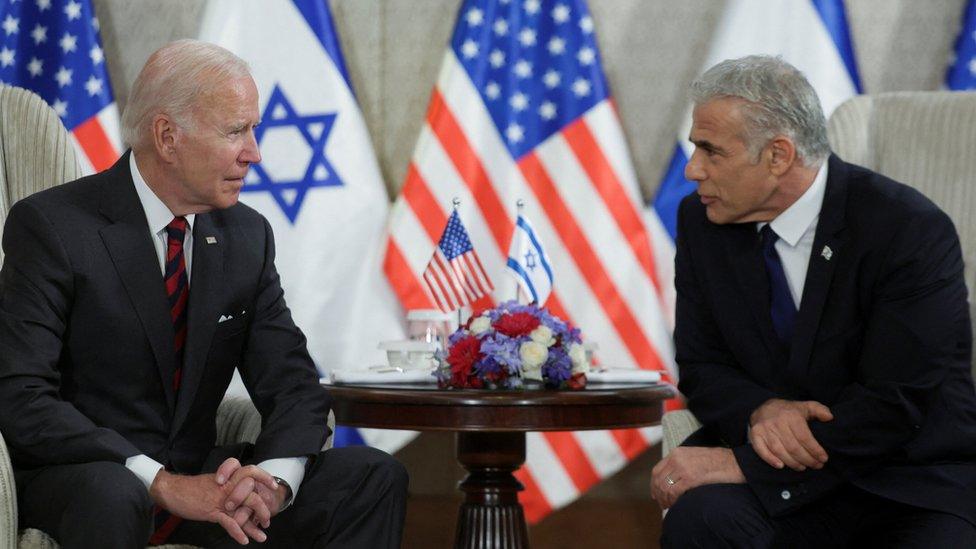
{"points": [[676, 427], [239, 421], [8, 500]]}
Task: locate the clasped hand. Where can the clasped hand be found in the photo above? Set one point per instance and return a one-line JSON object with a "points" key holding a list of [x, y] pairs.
{"points": [[240, 499], [780, 433], [688, 467]]}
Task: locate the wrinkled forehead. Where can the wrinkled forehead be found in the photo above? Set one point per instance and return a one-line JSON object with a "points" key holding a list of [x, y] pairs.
{"points": [[228, 100]]}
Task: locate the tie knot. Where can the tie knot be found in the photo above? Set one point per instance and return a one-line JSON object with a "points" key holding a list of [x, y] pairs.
{"points": [[768, 235], [177, 228]]}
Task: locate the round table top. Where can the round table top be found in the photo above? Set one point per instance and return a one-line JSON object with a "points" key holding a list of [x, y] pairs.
{"points": [[427, 408]]}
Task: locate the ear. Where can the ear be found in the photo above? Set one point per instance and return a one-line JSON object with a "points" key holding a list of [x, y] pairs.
{"points": [[164, 133], [782, 154]]}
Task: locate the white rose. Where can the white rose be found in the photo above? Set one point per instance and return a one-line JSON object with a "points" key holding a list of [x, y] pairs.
{"points": [[533, 355], [543, 335], [480, 325], [577, 355]]}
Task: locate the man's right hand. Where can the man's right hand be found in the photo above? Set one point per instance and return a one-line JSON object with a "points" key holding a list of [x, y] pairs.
{"points": [[200, 497], [780, 433]]}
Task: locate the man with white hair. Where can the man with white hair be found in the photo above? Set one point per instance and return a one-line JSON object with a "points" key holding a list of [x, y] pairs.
{"points": [[127, 299], [822, 335]]}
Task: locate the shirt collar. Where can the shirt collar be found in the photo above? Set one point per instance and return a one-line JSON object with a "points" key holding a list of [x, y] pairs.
{"points": [[795, 220], [157, 213]]}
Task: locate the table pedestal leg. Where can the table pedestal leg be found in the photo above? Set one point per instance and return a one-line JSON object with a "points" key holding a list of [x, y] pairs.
{"points": [[491, 516]]}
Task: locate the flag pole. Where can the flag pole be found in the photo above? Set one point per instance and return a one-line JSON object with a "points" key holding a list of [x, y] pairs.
{"points": [[457, 202]]}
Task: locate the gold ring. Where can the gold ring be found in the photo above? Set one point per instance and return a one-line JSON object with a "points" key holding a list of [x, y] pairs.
{"points": [[669, 480]]}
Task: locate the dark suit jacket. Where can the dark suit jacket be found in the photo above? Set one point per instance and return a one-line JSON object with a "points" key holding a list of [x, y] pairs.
{"points": [[882, 337], [86, 342]]}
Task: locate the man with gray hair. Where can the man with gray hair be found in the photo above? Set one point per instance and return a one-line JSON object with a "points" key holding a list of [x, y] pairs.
{"points": [[823, 338], [127, 299]]}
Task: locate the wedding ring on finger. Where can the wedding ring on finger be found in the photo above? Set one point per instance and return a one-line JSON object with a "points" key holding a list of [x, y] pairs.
{"points": [[669, 480]]}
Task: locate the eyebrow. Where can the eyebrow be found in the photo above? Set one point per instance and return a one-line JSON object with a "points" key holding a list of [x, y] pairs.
{"points": [[706, 145]]}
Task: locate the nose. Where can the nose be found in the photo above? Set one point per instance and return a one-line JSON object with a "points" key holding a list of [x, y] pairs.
{"points": [[251, 154], [693, 169]]}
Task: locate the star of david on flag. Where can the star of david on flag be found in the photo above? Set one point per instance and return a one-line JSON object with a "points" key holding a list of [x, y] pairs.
{"points": [[528, 262], [454, 275], [52, 47], [307, 133], [961, 74]]}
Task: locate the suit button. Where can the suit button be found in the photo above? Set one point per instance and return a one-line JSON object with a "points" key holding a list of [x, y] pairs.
{"points": [[785, 494]]}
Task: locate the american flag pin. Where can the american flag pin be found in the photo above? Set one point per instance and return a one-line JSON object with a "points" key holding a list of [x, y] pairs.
{"points": [[211, 240], [827, 253]]}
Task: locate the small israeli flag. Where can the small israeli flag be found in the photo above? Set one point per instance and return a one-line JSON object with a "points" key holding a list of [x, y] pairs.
{"points": [[528, 262]]}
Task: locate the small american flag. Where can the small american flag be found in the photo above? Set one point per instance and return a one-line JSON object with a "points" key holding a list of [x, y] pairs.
{"points": [[454, 275], [52, 48]]}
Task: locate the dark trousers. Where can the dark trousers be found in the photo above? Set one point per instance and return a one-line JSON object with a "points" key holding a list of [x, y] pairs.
{"points": [[730, 515], [350, 497]]}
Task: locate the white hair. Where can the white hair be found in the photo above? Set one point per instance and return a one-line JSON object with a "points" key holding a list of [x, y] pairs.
{"points": [[778, 101], [174, 80]]}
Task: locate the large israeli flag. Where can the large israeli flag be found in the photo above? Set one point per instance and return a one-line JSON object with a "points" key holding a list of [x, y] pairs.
{"points": [[318, 183], [812, 35]]}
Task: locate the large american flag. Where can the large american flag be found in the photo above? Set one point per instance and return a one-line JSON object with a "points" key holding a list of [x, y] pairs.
{"points": [[522, 110], [454, 275], [52, 48]]}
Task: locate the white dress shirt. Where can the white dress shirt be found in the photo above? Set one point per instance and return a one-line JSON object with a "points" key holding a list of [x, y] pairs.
{"points": [[797, 227], [291, 470]]}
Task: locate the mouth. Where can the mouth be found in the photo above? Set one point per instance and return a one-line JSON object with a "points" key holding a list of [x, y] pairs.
{"points": [[706, 200]]}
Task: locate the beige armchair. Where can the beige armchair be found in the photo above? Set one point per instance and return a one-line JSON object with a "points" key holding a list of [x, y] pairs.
{"points": [[36, 153], [923, 139]]}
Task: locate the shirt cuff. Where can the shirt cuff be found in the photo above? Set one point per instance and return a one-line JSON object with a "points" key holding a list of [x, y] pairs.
{"points": [[291, 470], [144, 467]]}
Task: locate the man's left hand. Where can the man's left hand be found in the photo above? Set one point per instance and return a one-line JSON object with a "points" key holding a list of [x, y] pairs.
{"points": [[687, 467], [253, 493]]}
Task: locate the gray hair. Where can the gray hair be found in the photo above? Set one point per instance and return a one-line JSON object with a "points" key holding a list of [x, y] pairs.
{"points": [[173, 81], [779, 101]]}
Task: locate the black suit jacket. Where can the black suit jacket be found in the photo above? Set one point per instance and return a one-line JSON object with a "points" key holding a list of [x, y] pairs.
{"points": [[882, 337], [86, 342]]}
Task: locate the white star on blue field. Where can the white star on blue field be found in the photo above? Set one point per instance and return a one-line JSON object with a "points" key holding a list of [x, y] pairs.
{"points": [[314, 129]]}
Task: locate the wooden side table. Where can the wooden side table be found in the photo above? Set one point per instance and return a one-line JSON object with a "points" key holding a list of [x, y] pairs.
{"points": [[491, 427]]}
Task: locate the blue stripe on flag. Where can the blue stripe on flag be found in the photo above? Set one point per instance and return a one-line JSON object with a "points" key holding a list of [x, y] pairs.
{"points": [[674, 187], [835, 19], [316, 12], [346, 436], [961, 75]]}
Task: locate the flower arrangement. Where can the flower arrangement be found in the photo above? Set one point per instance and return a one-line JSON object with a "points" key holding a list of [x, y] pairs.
{"points": [[511, 347]]}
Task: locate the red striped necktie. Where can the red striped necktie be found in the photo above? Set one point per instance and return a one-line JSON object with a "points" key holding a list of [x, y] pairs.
{"points": [[177, 289], [177, 293]]}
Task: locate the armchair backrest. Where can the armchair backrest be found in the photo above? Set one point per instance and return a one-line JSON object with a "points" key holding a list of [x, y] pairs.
{"points": [[36, 151], [923, 139]]}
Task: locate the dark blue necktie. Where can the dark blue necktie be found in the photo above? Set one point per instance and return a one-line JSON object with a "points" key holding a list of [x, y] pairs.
{"points": [[781, 306]]}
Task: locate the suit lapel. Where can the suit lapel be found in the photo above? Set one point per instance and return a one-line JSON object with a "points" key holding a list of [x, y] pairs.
{"points": [[743, 251], [133, 253], [828, 244], [207, 273]]}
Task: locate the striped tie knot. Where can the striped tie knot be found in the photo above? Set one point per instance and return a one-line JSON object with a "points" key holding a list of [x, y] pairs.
{"points": [[176, 230]]}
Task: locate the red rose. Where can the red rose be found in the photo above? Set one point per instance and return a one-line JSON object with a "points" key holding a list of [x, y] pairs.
{"points": [[516, 324], [577, 381], [464, 353]]}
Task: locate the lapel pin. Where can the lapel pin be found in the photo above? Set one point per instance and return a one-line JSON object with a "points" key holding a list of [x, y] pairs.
{"points": [[211, 240], [827, 253]]}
